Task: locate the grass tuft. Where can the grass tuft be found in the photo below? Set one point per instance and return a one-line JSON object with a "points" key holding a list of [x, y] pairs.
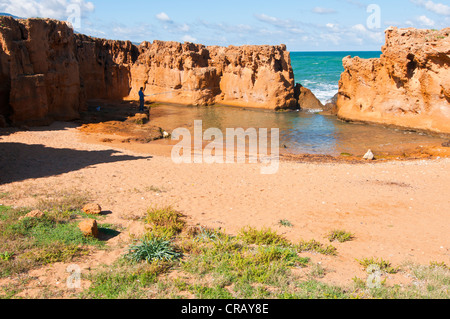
{"points": [[152, 249], [285, 223], [341, 236], [384, 265], [315, 246], [165, 222], [265, 236]]}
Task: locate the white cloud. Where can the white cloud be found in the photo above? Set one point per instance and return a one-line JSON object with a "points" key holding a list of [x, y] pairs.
{"points": [[424, 20], [320, 10], [163, 17], [286, 25], [333, 38], [54, 9], [184, 28], [359, 28], [188, 38], [332, 26], [438, 8]]}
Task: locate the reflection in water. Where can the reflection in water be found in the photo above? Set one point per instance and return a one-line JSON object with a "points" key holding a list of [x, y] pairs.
{"points": [[301, 132]]}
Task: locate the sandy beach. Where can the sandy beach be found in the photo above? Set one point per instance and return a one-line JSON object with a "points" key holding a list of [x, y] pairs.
{"points": [[397, 210]]}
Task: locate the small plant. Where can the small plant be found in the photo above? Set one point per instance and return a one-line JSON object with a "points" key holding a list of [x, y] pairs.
{"points": [[276, 253], [261, 237], [165, 222], [435, 264], [6, 256], [155, 189], [285, 223], [315, 246], [317, 271], [208, 234], [340, 236], [383, 265], [152, 249]]}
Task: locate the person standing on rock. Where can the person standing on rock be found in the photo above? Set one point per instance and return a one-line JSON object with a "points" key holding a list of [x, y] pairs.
{"points": [[141, 100]]}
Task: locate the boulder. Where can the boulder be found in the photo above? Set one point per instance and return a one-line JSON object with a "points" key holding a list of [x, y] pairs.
{"points": [[33, 214], [89, 228], [92, 209], [369, 156], [307, 100]]}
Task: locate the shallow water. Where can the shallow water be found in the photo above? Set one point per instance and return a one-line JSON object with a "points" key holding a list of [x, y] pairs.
{"points": [[301, 132]]}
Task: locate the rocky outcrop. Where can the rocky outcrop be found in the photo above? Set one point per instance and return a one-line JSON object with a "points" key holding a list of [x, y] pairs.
{"points": [[249, 76], [39, 71], [408, 86], [47, 72], [307, 100], [105, 67]]}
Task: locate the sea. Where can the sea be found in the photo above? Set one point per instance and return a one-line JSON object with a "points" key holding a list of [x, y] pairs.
{"points": [[320, 71]]}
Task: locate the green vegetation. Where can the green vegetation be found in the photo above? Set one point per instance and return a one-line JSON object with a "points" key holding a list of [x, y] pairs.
{"points": [[285, 223], [264, 236], [67, 202], [315, 246], [27, 243], [383, 265], [164, 222], [340, 235], [123, 280], [174, 260], [152, 249]]}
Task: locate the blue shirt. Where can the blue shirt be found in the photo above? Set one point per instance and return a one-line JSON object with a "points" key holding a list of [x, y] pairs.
{"points": [[141, 95]]}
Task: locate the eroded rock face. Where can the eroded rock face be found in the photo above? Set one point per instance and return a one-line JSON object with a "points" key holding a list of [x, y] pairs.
{"points": [[249, 76], [39, 71], [408, 86], [47, 72], [105, 67], [254, 76]]}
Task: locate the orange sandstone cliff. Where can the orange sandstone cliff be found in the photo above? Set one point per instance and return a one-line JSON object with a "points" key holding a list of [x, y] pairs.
{"points": [[408, 86], [249, 76], [39, 71], [47, 72]]}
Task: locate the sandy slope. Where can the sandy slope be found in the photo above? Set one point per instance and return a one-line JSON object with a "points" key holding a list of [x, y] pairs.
{"points": [[398, 210]]}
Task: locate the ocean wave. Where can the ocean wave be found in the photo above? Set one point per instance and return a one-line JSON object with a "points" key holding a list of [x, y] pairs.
{"points": [[323, 91]]}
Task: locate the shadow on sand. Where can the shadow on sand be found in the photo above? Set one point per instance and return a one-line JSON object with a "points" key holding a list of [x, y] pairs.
{"points": [[19, 161]]}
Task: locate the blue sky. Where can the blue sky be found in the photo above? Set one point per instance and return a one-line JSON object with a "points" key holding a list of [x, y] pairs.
{"points": [[328, 25]]}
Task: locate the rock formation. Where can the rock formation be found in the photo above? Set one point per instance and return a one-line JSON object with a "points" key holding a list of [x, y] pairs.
{"points": [[39, 72], [408, 86], [250, 76], [307, 100], [47, 72]]}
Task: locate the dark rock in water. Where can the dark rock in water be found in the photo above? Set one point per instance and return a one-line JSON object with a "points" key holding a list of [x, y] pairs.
{"points": [[306, 99], [446, 144], [331, 106]]}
